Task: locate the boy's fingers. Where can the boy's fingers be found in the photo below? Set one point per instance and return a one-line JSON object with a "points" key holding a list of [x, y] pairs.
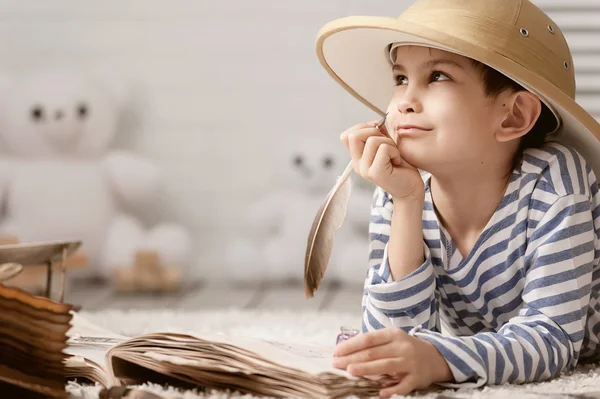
{"points": [[365, 355], [356, 148], [386, 154], [362, 341], [371, 148], [363, 134], [364, 125], [404, 387], [389, 366], [357, 140]]}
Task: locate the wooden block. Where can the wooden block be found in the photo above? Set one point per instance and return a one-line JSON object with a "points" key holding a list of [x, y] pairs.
{"points": [[124, 280], [172, 278], [76, 260], [147, 275], [147, 261], [32, 280], [8, 240], [33, 277]]}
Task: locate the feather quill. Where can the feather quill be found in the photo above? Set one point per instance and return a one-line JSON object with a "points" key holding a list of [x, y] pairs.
{"points": [[328, 220]]}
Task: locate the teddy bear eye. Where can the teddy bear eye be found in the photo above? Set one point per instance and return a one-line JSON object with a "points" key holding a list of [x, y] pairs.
{"points": [[37, 113], [327, 162], [298, 160], [82, 111]]}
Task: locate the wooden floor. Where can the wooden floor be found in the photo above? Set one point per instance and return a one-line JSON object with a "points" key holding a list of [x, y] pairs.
{"points": [[203, 295]]}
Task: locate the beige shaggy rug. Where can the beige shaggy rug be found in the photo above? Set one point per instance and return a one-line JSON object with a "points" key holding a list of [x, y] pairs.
{"points": [[321, 327]]}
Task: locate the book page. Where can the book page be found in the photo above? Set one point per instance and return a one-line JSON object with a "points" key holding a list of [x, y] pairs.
{"points": [[83, 332], [311, 358], [94, 353], [88, 345], [89, 341], [89, 362]]}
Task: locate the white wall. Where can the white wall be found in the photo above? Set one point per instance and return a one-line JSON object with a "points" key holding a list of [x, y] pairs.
{"points": [[214, 82]]}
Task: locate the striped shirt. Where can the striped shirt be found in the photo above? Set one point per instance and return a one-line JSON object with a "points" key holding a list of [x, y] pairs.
{"points": [[524, 305]]}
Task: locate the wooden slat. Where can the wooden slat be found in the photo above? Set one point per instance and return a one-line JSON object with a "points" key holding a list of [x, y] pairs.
{"points": [[584, 42], [552, 6], [588, 84], [587, 63], [580, 22], [590, 102], [568, 20], [580, 30]]}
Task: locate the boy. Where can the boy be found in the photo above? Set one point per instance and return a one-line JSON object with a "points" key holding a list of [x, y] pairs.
{"points": [[500, 236]]}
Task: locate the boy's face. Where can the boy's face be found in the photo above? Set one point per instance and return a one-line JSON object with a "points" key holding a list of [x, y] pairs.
{"points": [[443, 94]]}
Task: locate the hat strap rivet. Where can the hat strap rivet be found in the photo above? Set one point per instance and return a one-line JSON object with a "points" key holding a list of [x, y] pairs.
{"points": [[566, 64], [551, 29], [524, 32]]}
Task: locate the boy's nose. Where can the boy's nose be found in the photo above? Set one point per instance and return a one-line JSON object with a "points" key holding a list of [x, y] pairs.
{"points": [[409, 105], [407, 101]]}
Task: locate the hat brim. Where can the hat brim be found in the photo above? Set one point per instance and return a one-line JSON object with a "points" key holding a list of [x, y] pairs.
{"points": [[354, 51]]}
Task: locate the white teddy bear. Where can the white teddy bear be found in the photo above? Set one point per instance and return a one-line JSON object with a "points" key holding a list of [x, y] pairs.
{"points": [[59, 179], [280, 222]]}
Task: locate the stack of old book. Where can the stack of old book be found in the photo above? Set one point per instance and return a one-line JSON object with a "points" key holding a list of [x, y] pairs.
{"points": [[32, 339], [33, 329]]}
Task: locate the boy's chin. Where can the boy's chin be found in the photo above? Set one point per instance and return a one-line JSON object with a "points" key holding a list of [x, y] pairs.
{"points": [[417, 157]]}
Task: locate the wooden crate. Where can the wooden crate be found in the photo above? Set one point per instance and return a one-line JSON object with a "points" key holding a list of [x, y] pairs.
{"points": [[33, 277], [148, 274]]}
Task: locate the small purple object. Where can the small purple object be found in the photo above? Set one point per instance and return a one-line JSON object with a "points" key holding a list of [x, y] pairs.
{"points": [[345, 333]]}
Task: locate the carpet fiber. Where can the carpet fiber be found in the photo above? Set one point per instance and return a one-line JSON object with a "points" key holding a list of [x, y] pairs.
{"points": [[321, 327]]}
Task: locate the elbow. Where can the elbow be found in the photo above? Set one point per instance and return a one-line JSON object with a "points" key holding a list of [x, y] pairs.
{"points": [[563, 354]]}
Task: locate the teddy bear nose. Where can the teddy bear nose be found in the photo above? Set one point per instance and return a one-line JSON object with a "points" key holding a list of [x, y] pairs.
{"points": [[58, 115]]}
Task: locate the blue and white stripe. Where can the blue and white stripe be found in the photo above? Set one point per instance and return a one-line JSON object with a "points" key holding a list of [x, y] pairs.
{"points": [[525, 304]]}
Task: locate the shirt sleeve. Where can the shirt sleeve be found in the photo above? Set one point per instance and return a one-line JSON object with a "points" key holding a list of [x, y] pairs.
{"points": [[546, 336], [404, 303]]}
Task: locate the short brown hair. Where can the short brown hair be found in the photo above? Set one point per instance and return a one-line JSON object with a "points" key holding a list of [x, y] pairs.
{"points": [[496, 83]]}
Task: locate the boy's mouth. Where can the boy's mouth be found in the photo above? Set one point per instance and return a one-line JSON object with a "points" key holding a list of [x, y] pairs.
{"points": [[409, 130]]}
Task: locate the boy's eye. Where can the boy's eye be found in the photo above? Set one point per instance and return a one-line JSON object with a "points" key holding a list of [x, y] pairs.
{"points": [[439, 76], [435, 77], [401, 80]]}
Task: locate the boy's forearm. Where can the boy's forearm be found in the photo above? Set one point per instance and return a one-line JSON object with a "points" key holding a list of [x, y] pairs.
{"points": [[405, 251]]}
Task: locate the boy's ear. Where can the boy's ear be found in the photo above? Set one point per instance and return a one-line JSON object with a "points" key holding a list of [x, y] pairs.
{"points": [[522, 110]]}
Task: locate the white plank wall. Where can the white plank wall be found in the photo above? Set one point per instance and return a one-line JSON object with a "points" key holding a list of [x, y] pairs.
{"points": [[215, 83], [580, 22]]}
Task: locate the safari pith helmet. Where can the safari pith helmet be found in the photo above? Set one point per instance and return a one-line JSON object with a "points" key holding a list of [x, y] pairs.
{"points": [[514, 37]]}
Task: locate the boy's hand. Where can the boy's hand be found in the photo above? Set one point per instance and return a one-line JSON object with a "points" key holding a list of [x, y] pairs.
{"points": [[376, 158], [416, 363]]}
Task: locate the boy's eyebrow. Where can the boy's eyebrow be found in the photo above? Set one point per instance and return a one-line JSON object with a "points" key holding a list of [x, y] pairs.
{"points": [[431, 64]]}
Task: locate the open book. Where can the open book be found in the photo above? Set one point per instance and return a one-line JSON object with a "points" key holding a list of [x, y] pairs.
{"points": [[251, 365], [44, 343]]}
